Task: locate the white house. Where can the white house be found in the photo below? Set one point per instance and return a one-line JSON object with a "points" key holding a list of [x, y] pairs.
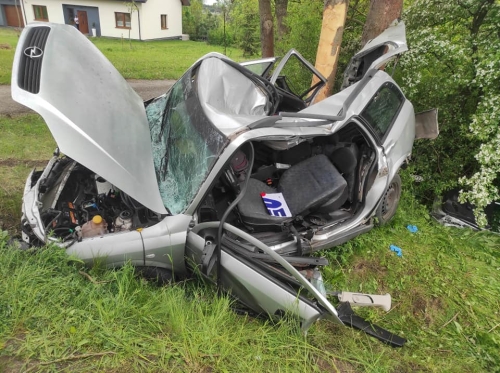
{"points": [[144, 19]]}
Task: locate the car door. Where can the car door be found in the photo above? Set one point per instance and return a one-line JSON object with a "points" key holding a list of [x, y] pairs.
{"points": [[297, 76], [391, 119], [245, 275]]}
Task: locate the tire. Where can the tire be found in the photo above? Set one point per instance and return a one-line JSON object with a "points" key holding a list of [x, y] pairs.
{"points": [[390, 200], [159, 275]]}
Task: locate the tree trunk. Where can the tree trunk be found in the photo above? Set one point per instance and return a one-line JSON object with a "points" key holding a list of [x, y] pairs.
{"points": [[380, 16], [266, 28], [281, 9], [332, 28]]}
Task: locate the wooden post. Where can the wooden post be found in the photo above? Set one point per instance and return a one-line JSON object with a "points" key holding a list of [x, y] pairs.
{"points": [[332, 29]]}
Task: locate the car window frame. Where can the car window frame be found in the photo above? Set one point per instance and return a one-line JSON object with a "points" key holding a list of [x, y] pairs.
{"points": [[373, 129]]}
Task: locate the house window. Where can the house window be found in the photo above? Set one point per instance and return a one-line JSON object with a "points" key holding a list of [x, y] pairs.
{"points": [[122, 20], [164, 25], [40, 13]]}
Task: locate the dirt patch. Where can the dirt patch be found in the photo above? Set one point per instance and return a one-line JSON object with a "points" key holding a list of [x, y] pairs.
{"points": [[425, 308], [10, 364], [5, 46], [364, 267], [336, 366], [12, 162]]}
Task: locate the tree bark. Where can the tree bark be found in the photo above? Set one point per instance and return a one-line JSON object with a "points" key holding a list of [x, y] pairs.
{"points": [[266, 28], [281, 9], [332, 29], [380, 16]]}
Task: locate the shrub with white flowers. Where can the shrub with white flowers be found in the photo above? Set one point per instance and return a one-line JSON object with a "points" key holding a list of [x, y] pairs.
{"points": [[454, 64]]}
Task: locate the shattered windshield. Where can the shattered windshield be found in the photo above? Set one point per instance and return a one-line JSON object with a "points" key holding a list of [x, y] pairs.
{"points": [[185, 143]]}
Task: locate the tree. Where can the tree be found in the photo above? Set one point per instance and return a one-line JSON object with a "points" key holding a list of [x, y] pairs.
{"points": [[380, 16], [243, 23], [454, 64], [266, 28], [332, 28], [281, 9], [132, 7]]}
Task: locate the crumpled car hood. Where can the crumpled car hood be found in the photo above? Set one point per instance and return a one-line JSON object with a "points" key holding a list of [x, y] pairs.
{"points": [[95, 117]]}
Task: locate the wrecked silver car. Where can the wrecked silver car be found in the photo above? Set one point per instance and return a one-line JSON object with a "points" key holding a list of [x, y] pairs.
{"points": [[232, 174]]}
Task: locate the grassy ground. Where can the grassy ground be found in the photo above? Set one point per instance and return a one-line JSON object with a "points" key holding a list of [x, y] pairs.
{"points": [[56, 315], [8, 42], [25, 143], [166, 59]]}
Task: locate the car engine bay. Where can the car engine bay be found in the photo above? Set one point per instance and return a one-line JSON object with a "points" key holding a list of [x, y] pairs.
{"points": [[75, 200]]}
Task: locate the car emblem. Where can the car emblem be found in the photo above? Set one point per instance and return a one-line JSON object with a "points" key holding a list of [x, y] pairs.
{"points": [[33, 52]]}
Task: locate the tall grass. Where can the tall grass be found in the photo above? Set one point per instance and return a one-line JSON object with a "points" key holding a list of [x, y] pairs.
{"points": [[50, 312]]}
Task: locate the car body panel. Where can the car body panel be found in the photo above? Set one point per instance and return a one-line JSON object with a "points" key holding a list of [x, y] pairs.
{"points": [[95, 117], [376, 53], [165, 242], [114, 250], [229, 99], [426, 124], [394, 38], [264, 292]]}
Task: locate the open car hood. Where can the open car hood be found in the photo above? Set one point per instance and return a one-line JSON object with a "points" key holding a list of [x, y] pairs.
{"points": [[376, 53], [95, 117]]}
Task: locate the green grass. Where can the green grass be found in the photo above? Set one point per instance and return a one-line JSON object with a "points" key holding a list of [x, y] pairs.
{"points": [[157, 59], [25, 143], [51, 312], [25, 138], [164, 59], [8, 42]]}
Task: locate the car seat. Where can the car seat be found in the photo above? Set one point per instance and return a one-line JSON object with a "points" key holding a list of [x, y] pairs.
{"points": [[306, 186]]}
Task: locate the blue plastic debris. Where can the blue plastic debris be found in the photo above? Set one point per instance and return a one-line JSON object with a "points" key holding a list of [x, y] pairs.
{"points": [[396, 249], [412, 228]]}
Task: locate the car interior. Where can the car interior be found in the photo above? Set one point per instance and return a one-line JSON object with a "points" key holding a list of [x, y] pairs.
{"points": [[323, 181]]}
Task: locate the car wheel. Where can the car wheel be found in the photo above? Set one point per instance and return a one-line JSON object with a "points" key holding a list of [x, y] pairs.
{"points": [[156, 274], [389, 204]]}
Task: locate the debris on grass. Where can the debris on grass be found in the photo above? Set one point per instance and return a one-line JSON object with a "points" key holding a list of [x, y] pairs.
{"points": [[412, 228], [397, 250]]}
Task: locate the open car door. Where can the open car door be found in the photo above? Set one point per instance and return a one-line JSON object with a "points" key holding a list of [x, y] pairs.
{"points": [[275, 285], [293, 77], [265, 282]]}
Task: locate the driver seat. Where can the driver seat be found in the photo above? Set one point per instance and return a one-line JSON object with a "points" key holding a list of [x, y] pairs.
{"points": [[306, 186]]}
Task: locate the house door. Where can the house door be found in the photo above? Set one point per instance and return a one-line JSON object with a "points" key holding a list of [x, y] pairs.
{"points": [[13, 16], [84, 23]]}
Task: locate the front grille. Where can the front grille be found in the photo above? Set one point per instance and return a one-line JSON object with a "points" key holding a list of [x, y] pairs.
{"points": [[30, 66]]}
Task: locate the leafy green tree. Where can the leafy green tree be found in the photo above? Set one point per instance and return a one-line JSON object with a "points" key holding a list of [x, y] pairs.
{"points": [[454, 64], [243, 23], [198, 21]]}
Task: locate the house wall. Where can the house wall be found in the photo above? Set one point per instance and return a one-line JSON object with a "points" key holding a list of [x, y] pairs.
{"points": [[151, 19], [148, 15]]}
